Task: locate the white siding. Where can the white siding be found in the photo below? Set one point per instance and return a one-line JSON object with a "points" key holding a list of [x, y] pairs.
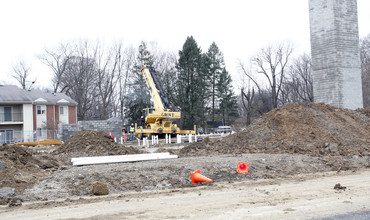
{"points": [[41, 118], [63, 118], [28, 122]]}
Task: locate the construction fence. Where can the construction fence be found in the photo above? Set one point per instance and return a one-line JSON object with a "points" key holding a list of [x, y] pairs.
{"points": [[12, 137]]}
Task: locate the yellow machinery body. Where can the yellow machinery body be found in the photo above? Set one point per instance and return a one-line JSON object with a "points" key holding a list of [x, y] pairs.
{"points": [[158, 119]]}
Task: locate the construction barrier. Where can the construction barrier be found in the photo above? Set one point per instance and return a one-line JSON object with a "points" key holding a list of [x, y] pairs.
{"points": [[196, 177], [242, 168]]}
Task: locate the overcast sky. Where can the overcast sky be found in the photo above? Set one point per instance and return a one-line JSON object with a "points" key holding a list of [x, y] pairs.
{"points": [[239, 27]]}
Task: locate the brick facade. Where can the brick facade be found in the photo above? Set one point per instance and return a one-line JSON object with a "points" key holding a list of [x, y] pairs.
{"points": [[56, 114], [72, 114], [50, 116]]}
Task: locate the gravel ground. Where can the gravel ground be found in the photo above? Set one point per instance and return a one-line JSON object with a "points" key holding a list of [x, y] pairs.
{"points": [[160, 174]]}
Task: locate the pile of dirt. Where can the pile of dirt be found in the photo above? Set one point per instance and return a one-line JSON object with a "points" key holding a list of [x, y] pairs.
{"points": [[309, 128], [21, 169], [92, 143]]}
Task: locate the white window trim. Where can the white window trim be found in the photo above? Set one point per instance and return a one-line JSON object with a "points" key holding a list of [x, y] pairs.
{"points": [[42, 110]]}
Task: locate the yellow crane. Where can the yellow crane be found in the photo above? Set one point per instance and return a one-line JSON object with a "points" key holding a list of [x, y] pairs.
{"points": [[157, 119]]}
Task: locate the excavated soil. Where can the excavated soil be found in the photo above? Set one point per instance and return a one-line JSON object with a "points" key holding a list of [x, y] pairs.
{"points": [[91, 143], [22, 168], [310, 129], [293, 139]]}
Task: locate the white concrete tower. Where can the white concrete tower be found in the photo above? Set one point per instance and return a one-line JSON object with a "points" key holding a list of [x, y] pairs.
{"points": [[335, 53]]}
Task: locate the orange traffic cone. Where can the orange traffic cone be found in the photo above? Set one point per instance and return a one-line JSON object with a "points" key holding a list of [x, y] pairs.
{"points": [[196, 177], [242, 168]]}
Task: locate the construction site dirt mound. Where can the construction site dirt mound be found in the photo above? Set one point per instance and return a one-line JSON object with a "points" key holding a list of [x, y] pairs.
{"points": [[22, 169], [309, 128], [92, 143]]}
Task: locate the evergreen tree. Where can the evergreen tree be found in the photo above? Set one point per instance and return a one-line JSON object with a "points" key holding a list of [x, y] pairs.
{"points": [[228, 106], [215, 67], [204, 90], [138, 95], [189, 83]]}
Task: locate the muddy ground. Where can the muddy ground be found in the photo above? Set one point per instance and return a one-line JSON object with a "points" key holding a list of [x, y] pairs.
{"points": [[291, 140]]}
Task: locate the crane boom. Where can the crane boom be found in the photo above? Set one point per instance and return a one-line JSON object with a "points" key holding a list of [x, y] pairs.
{"points": [[160, 101]]}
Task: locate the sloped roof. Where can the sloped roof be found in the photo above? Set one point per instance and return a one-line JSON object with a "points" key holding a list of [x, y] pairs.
{"points": [[51, 98], [12, 94]]}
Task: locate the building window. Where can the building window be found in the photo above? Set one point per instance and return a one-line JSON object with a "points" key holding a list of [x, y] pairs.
{"points": [[40, 109], [61, 110], [5, 113]]}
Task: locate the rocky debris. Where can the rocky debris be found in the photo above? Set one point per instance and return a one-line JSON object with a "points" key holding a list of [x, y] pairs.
{"points": [[2, 165], [365, 111], [7, 192], [309, 128], [195, 148], [20, 157], [206, 140], [100, 189], [4, 201], [14, 202], [164, 174], [23, 168], [339, 187], [91, 143]]}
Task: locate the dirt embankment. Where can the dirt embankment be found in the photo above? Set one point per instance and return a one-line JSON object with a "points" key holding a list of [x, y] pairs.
{"points": [[311, 129], [22, 169], [91, 143], [23, 166]]}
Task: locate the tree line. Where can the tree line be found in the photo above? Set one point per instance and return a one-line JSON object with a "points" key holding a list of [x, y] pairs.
{"points": [[107, 82]]}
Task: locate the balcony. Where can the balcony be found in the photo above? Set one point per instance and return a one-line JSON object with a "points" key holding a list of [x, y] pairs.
{"points": [[11, 118]]}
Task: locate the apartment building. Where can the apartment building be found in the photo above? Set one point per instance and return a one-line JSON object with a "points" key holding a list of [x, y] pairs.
{"points": [[29, 115]]}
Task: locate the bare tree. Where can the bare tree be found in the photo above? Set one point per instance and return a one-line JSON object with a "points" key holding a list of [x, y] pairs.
{"points": [[271, 62], [79, 80], [123, 59], [262, 102], [108, 67], [22, 73], [247, 101], [298, 84], [58, 60], [125, 65]]}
